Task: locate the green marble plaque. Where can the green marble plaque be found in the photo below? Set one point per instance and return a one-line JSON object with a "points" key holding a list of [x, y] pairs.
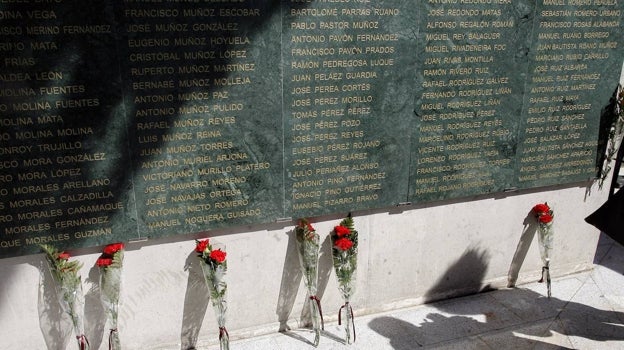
{"points": [[66, 170], [202, 96], [143, 119], [347, 104], [575, 63], [468, 98]]}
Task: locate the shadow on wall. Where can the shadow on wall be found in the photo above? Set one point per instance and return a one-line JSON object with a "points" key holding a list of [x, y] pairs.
{"points": [[196, 302], [55, 324], [197, 296], [95, 323], [607, 117], [527, 236], [292, 278], [464, 277], [89, 63]]}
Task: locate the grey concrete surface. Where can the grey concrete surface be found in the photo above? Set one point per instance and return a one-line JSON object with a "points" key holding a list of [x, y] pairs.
{"points": [[586, 311]]}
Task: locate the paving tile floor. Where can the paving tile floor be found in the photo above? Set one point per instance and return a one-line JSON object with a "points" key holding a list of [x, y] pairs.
{"points": [[586, 311]]}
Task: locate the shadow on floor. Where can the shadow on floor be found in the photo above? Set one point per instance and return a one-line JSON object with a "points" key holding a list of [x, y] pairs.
{"points": [[501, 319], [520, 319], [610, 254]]}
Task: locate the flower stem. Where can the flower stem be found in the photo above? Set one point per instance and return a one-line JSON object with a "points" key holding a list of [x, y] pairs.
{"points": [[546, 276], [349, 322], [316, 319]]}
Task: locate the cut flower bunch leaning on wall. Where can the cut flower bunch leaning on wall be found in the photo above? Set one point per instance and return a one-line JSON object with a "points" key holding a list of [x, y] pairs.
{"points": [[344, 253], [69, 289], [214, 267], [110, 264], [308, 245], [544, 215]]}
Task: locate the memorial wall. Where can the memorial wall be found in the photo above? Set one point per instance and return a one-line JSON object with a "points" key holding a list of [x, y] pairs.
{"points": [[136, 119]]}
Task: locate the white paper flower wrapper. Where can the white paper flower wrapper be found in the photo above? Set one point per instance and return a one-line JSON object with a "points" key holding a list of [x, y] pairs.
{"points": [[110, 287], [545, 240], [72, 302], [308, 245], [215, 280], [345, 265], [68, 288], [545, 235]]}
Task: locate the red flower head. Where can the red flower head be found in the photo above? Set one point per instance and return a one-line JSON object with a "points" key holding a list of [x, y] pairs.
{"points": [[540, 209], [103, 262], [545, 218], [341, 231], [304, 223], [201, 245], [63, 256], [217, 256], [343, 244], [113, 248]]}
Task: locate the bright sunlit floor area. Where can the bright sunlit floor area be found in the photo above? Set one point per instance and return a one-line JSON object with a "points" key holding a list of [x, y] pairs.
{"points": [[586, 311]]}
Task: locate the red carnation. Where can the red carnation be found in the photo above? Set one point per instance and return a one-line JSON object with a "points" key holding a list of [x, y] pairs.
{"points": [[545, 218], [63, 256], [341, 231], [201, 245], [103, 262], [217, 256], [113, 248], [304, 223], [540, 209], [343, 244]]}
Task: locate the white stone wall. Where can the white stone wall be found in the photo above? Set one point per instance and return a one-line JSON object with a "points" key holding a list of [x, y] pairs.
{"points": [[408, 255]]}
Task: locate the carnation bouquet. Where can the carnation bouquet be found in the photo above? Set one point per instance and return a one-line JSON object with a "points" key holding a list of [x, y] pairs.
{"points": [[344, 253], [214, 267], [616, 132], [110, 264], [69, 289], [308, 245], [544, 216]]}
